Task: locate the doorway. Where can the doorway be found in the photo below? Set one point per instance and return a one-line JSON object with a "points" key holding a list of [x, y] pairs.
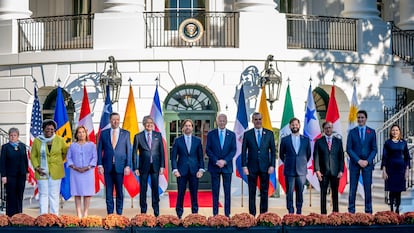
{"points": [[195, 103]]}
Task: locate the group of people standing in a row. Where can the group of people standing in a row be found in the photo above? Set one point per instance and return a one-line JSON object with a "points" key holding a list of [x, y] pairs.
{"points": [[115, 157]]}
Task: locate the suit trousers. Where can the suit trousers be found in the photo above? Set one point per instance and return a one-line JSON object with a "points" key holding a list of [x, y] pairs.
{"points": [[113, 179], [215, 187], [294, 183], [264, 190], [49, 195], [334, 181], [14, 194], [155, 197], [354, 173], [182, 181]]}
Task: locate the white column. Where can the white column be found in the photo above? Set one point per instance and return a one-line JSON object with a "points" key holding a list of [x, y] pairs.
{"points": [[406, 15], [254, 5], [122, 6], [365, 9], [13, 9]]}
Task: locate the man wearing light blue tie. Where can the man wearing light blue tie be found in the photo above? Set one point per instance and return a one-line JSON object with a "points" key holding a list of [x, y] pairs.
{"points": [[361, 147], [221, 148]]}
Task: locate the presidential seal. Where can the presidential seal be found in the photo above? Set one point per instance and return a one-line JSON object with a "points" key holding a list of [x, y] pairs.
{"points": [[191, 30]]}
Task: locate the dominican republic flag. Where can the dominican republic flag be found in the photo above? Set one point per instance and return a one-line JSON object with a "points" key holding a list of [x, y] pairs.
{"points": [[85, 119], [35, 130], [65, 131], [285, 131], [332, 115], [267, 124], [240, 126], [312, 130], [104, 123], [159, 126]]}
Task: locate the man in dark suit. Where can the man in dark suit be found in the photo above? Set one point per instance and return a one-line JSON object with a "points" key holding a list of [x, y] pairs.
{"points": [[148, 162], [361, 147], [295, 151], [328, 156], [187, 165], [258, 161], [221, 148], [114, 161]]}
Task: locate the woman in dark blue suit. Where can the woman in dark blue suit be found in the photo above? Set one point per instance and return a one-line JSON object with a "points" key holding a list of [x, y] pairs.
{"points": [[395, 165], [13, 169]]}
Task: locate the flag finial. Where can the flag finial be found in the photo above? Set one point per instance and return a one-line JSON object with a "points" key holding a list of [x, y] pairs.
{"points": [[58, 82], [130, 81]]}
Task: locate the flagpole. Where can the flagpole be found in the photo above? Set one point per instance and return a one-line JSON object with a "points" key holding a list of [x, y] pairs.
{"points": [[310, 184], [132, 199]]}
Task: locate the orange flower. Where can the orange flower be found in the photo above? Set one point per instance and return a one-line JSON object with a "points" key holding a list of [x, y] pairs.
{"points": [[4, 220], [47, 220], [243, 220], [218, 221], [269, 219], [168, 221], [115, 221], [144, 220], [69, 221], [195, 220], [91, 221], [22, 220]]}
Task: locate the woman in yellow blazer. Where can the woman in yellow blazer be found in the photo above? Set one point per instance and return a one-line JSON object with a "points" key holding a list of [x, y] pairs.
{"points": [[47, 157]]}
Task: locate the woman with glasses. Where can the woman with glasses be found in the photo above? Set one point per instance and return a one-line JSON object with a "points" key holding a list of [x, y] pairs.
{"points": [[47, 156], [13, 169]]}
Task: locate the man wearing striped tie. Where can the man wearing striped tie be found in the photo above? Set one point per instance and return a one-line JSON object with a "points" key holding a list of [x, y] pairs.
{"points": [[328, 155]]}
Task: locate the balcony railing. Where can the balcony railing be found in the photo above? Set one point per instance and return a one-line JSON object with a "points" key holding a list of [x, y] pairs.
{"points": [[320, 32], [403, 44], [57, 32], [220, 29]]}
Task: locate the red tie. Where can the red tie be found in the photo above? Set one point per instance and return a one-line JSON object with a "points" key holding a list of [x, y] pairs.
{"points": [[329, 143]]}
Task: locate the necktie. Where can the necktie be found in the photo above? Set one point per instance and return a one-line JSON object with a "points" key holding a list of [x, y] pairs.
{"points": [[113, 138], [149, 140], [329, 143], [221, 136], [188, 143], [259, 137], [362, 134]]}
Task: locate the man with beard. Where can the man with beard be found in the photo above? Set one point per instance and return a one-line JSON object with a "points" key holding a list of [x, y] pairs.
{"points": [[295, 151]]}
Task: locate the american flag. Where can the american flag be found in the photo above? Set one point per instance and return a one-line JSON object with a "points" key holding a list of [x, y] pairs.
{"points": [[35, 130]]}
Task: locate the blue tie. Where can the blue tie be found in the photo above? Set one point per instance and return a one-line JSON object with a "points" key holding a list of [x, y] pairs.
{"points": [[221, 136], [362, 134], [259, 137]]}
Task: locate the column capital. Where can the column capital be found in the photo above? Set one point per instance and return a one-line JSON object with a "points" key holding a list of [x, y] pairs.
{"points": [[255, 5], [124, 6], [365, 9], [406, 15], [12, 9]]}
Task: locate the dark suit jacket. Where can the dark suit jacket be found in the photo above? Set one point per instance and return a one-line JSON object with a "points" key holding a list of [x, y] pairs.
{"points": [[12, 162], [328, 162], [214, 151], [358, 149], [258, 158], [122, 151], [186, 162], [295, 164], [142, 161]]}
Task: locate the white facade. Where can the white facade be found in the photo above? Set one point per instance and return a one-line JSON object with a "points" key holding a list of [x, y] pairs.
{"points": [[119, 30]]}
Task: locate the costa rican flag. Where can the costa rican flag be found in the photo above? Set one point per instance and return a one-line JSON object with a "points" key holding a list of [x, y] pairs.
{"points": [[159, 126]]}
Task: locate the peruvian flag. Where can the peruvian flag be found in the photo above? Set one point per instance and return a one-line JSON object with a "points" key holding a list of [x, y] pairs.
{"points": [[85, 119], [332, 115]]}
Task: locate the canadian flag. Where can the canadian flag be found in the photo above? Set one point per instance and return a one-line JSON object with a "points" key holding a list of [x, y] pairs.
{"points": [[85, 119], [332, 115]]}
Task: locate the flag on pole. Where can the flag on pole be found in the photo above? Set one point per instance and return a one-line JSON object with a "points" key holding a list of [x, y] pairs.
{"points": [[64, 130], [35, 130], [332, 115], [284, 131], [85, 119], [104, 123], [267, 124], [352, 123], [131, 182], [240, 126], [159, 126], [312, 130]]}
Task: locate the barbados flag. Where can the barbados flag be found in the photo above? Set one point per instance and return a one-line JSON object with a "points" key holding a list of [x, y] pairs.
{"points": [[64, 130]]}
